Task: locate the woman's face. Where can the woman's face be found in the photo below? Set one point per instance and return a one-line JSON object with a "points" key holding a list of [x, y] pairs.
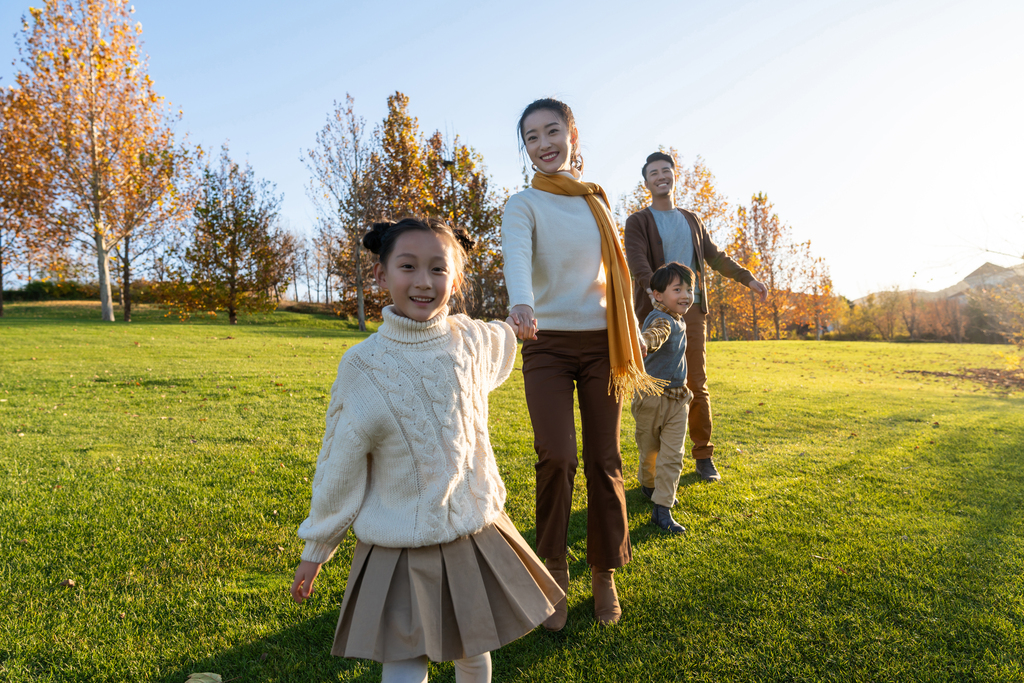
{"points": [[549, 141]]}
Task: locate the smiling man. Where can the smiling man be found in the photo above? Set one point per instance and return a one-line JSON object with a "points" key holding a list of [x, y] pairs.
{"points": [[663, 233]]}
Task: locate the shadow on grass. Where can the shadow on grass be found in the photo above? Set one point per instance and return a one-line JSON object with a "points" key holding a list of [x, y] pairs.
{"points": [[298, 653]]}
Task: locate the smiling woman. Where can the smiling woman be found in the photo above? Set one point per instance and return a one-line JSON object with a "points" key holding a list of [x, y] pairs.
{"points": [[568, 286]]}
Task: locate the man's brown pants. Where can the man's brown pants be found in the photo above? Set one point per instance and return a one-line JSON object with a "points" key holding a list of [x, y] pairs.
{"points": [[697, 382], [553, 365]]}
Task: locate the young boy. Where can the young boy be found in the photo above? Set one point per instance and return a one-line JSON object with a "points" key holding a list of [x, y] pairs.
{"points": [[661, 420]]}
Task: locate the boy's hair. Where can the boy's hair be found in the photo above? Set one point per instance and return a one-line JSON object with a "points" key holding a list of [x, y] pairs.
{"points": [[670, 272], [657, 156]]}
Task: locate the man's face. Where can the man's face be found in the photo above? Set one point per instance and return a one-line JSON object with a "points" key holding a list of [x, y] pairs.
{"points": [[661, 178]]}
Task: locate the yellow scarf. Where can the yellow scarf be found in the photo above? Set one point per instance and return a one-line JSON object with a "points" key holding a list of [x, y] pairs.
{"points": [[627, 375]]}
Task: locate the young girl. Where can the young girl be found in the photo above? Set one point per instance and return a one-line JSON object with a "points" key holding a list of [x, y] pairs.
{"points": [[439, 570], [571, 299]]}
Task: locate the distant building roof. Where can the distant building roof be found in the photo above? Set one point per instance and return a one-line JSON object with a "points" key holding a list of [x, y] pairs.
{"points": [[987, 269]]}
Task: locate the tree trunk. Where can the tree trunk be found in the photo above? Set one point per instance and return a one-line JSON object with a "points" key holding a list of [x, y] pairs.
{"points": [[360, 309], [103, 265], [232, 313], [126, 281], [1, 276], [753, 314], [725, 330], [233, 280]]}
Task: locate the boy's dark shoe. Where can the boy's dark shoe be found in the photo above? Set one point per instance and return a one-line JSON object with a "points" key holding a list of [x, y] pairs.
{"points": [[662, 517], [707, 471], [649, 492]]}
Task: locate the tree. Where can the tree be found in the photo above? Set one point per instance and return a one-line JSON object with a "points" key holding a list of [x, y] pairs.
{"points": [[459, 192], [744, 251], [327, 254], [102, 141], [345, 165], [998, 312], [12, 200], [284, 258], [883, 310], [157, 199], [23, 198], [776, 256], [230, 262], [819, 302], [400, 174], [909, 312]]}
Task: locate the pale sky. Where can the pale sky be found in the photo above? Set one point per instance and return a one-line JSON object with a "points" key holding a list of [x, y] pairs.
{"points": [[888, 132]]}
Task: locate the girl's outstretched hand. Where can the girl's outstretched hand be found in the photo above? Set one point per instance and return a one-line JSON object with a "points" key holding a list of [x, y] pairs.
{"points": [[521, 320], [302, 586]]}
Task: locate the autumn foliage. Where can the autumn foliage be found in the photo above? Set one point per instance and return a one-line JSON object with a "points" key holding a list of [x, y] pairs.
{"points": [[360, 176], [92, 153]]}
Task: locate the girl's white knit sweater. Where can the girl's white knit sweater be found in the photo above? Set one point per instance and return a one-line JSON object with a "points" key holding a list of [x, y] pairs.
{"points": [[406, 459]]}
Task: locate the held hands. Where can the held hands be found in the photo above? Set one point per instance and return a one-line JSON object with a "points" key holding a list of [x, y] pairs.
{"points": [[521, 320], [302, 586]]}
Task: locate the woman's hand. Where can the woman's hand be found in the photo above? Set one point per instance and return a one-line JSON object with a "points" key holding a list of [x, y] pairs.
{"points": [[523, 322], [302, 586]]}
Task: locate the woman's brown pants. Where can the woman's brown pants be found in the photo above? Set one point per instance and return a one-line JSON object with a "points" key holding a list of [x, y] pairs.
{"points": [[554, 365]]}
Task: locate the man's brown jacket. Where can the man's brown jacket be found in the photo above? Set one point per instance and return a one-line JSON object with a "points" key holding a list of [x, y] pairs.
{"points": [[645, 253]]}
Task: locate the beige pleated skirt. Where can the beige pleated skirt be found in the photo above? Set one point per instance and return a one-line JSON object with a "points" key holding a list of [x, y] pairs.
{"points": [[447, 601]]}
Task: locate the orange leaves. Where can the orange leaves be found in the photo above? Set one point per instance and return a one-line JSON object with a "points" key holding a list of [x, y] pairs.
{"points": [[85, 172]]}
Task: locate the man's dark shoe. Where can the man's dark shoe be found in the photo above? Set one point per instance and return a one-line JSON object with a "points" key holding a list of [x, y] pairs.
{"points": [[649, 492], [707, 471], [662, 517]]}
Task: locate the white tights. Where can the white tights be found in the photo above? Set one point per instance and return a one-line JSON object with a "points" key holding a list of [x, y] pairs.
{"points": [[469, 670]]}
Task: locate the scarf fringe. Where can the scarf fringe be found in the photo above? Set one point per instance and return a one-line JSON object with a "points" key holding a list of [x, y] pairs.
{"points": [[631, 380]]}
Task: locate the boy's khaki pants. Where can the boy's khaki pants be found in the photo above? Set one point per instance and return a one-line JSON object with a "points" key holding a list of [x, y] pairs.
{"points": [[660, 433]]}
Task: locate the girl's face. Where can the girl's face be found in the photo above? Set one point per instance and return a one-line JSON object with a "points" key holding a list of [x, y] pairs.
{"points": [[548, 141], [420, 274]]}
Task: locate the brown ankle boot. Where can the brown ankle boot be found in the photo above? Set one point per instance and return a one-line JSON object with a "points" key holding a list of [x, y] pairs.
{"points": [[558, 567], [606, 600]]}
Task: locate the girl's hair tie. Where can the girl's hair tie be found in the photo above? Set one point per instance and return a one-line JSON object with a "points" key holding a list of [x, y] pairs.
{"points": [[374, 239], [463, 238]]}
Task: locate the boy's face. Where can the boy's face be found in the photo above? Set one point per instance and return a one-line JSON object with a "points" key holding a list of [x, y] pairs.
{"points": [[677, 297]]}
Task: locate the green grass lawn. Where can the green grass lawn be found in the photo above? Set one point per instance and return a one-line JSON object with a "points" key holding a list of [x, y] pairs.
{"points": [[869, 527]]}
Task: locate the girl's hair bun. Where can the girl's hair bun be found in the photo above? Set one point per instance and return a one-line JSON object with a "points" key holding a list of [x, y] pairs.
{"points": [[374, 239], [463, 238]]}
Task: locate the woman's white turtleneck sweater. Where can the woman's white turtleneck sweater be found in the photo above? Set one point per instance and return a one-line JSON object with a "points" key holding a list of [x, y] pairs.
{"points": [[552, 250], [406, 459]]}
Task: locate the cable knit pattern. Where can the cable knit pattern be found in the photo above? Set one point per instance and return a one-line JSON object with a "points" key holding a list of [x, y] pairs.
{"points": [[406, 459]]}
